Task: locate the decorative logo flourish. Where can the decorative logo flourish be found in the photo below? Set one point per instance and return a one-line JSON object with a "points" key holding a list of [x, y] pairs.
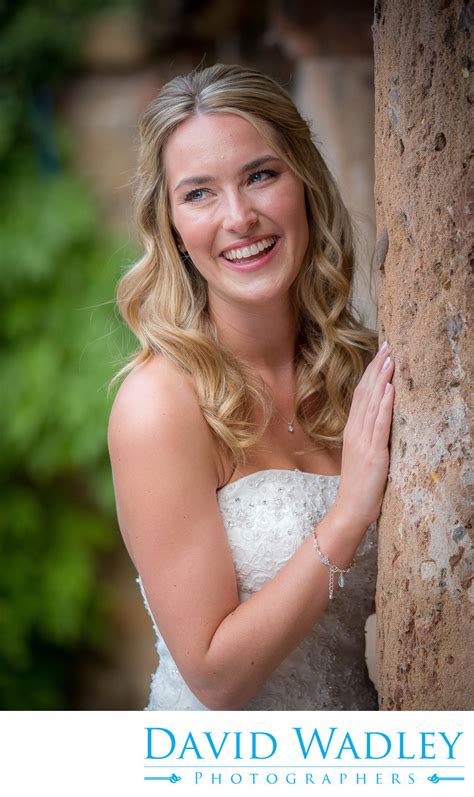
{"points": [[437, 778]]}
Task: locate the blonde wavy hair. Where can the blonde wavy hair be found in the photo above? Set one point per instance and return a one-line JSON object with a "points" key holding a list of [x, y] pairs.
{"points": [[163, 297]]}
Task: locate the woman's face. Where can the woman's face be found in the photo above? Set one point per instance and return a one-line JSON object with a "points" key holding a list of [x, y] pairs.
{"points": [[238, 210]]}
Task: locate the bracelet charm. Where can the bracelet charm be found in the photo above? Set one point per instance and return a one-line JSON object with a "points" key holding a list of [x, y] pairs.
{"points": [[333, 569]]}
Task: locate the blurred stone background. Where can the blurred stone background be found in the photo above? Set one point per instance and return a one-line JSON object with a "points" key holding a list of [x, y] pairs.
{"points": [[322, 53]]}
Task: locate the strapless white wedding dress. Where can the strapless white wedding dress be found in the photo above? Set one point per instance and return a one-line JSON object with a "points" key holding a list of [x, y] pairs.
{"points": [[267, 515]]}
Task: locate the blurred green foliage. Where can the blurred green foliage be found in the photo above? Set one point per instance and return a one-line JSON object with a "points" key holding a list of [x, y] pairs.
{"points": [[61, 341]]}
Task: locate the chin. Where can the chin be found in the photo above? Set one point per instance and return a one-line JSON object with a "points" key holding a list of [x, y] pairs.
{"points": [[265, 298]]}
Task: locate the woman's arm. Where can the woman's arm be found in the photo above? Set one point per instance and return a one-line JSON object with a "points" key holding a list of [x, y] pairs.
{"points": [[166, 474]]}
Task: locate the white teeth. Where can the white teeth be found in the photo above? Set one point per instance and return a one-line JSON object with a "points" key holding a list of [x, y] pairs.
{"points": [[249, 251]]}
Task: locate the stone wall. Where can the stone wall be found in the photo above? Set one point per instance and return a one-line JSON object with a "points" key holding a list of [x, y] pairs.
{"points": [[424, 197]]}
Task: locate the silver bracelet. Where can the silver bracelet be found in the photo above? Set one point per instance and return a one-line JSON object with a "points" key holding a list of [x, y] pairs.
{"points": [[332, 568]]}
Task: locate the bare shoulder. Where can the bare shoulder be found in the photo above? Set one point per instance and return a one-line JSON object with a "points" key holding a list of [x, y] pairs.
{"points": [[157, 404], [162, 452], [161, 449], [154, 392]]}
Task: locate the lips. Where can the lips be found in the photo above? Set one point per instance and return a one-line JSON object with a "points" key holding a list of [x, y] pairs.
{"points": [[251, 251]]}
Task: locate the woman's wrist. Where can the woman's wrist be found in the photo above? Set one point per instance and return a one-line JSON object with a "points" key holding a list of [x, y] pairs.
{"points": [[348, 522], [340, 536]]}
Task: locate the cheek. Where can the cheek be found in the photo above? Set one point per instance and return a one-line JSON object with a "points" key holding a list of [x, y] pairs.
{"points": [[194, 232], [289, 206]]}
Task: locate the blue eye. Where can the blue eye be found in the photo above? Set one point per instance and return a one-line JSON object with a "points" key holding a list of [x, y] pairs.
{"points": [[195, 195], [261, 176]]}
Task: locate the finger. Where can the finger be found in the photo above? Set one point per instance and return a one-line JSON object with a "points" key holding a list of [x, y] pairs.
{"points": [[375, 368], [364, 389], [383, 421], [373, 405]]}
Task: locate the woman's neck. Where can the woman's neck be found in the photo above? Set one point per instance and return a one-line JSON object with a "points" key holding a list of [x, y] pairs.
{"points": [[262, 337]]}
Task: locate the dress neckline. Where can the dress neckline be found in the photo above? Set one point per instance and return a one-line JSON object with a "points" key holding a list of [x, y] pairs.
{"points": [[280, 470]]}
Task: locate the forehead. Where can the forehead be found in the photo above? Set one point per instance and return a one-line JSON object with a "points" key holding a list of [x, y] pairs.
{"points": [[208, 143]]}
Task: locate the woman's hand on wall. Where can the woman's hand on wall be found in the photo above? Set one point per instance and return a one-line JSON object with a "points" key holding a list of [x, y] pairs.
{"points": [[365, 452]]}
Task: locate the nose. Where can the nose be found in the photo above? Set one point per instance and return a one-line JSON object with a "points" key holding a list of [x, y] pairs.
{"points": [[240, 215]]}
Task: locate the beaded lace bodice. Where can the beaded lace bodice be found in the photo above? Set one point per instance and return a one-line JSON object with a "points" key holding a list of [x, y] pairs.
{"points": [[267, 515]]}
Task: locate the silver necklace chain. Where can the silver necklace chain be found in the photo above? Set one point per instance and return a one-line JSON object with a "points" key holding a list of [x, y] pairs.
{"points": [[290, 424]]}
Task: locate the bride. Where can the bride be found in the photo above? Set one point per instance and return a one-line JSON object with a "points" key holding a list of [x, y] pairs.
{"points": [[249, 439]]}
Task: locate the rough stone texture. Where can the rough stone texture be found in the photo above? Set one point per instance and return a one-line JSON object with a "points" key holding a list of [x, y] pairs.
{"points": [[423, 212]]}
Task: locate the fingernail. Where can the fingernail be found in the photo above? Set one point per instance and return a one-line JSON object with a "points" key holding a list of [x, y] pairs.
{"points": [[386, 364], [388, 388], [383, 347]]}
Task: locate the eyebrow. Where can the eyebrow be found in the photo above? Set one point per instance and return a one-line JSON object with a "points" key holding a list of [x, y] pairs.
{"points": [[208, 178]]}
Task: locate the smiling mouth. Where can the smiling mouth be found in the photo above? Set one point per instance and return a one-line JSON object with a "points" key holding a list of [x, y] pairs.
{"points": [[246, 254]]}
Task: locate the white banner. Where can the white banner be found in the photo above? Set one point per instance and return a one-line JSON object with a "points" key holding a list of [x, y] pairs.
{"points": [[224, 753]]}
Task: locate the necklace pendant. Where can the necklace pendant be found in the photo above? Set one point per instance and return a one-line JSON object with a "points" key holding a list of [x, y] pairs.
{"points": [[291, 428]]}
